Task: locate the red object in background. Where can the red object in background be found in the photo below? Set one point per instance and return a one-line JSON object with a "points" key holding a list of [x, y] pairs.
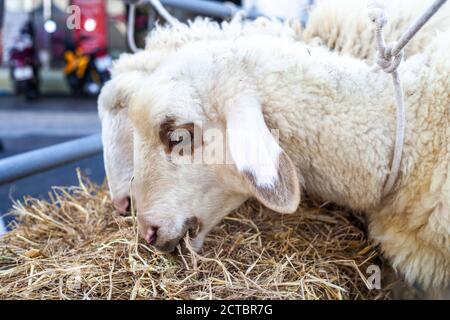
{"points": [[93, 16]]}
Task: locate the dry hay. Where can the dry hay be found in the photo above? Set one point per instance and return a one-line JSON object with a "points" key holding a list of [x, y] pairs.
{"points": [[75, 246]]}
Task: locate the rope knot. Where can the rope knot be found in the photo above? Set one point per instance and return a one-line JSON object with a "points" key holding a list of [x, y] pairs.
{"points": [[386, 60]]}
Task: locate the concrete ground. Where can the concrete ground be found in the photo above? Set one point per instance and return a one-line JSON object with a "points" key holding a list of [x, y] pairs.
{"points": [[39, 121], [27, 126]]}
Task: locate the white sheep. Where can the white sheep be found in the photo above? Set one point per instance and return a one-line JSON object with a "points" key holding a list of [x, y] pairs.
{"points": [[336, 122], [346, 16]]}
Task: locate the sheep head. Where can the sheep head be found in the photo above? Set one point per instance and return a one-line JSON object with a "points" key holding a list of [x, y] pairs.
{"points": [[191, 168]]}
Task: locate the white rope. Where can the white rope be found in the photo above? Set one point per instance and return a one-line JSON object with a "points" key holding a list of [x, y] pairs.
{"points": [[389, 57]]}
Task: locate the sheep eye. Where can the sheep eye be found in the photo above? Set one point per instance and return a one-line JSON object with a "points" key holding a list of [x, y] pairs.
{"points": [[172, 135], [174, 139]]}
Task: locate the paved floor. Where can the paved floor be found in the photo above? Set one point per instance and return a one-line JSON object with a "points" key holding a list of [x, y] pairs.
{"points": [[48, 123], [54, 102], [50, 120]]}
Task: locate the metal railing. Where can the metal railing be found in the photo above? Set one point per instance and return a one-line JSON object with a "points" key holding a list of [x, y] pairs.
{"points": [[207, 8], [26, 164], [202, 7]]}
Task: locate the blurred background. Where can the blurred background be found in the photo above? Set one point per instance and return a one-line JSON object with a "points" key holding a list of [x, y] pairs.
{"points": [[55, 57]]}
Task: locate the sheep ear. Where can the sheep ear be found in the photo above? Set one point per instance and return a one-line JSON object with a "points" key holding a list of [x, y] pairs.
{"points": [[265, 167]]}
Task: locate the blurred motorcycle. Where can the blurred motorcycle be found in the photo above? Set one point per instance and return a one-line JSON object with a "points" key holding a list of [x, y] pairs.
{"points": [[86, 73], [24, 65]]}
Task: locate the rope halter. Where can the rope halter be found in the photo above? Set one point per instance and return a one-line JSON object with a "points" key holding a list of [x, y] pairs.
{"points": [[389, 57], [388, 61]]}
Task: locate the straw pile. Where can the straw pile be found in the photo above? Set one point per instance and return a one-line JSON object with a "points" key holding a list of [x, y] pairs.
{"points": [[76, 247]]}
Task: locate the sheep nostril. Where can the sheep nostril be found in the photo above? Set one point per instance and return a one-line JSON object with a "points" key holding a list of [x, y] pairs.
{"points": [[129, 204], [151, 235], [122, 205]]}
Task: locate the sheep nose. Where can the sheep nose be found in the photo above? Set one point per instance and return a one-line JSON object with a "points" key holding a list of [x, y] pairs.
{"points": [[150, 235], [122, 205]]}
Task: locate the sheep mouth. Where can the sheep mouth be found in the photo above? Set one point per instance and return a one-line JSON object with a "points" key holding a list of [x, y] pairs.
{"points": [[191, 229], [193, 226]]}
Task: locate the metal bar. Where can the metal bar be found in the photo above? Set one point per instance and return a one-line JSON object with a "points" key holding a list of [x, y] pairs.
{"points": [[208, 8], [29, 163], [130, 28], [161, 10]]}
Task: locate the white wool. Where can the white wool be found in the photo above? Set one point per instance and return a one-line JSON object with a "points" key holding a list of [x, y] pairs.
{"points": [[336, 118], [337, 124], [344, 26]]}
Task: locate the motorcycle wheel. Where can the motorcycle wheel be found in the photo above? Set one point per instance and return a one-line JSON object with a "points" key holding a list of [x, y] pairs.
{"points": [[31, 90]]}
